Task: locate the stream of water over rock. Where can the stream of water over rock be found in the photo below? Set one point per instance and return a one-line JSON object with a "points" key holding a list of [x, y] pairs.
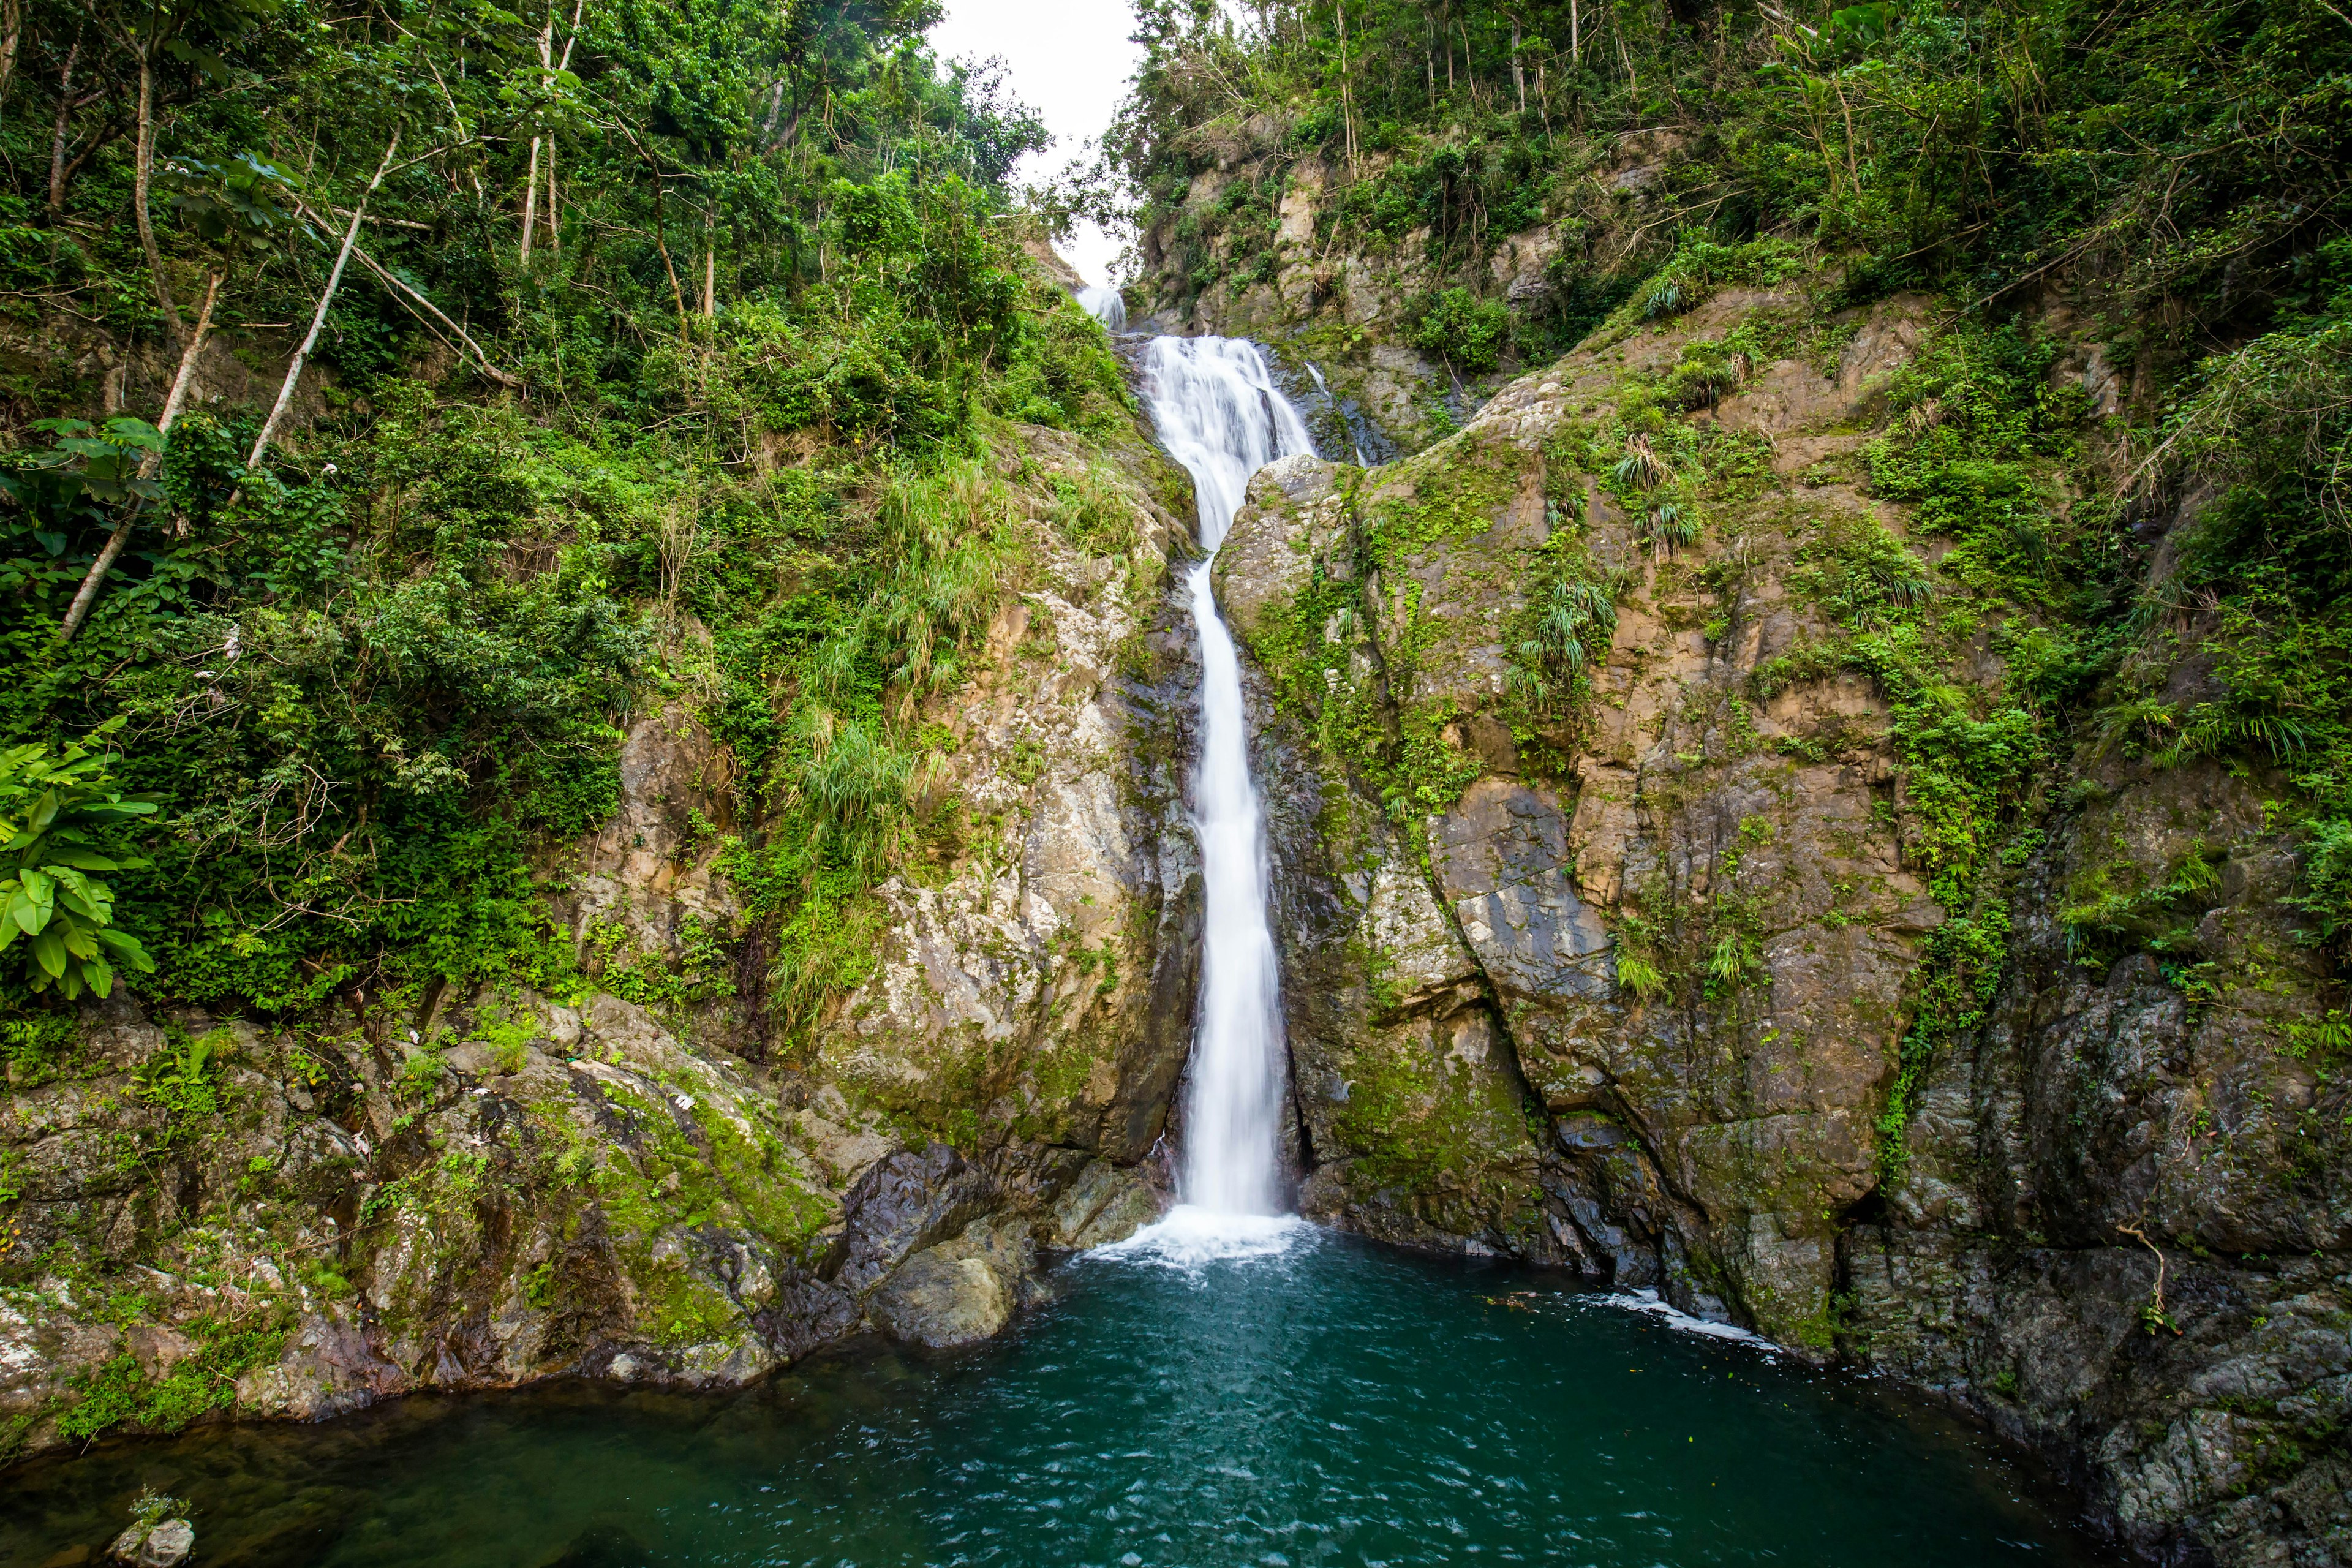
{"points": [[1219, 414]]}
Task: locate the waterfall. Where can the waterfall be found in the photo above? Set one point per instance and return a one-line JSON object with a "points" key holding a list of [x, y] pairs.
{"points": [[1105, 304], [1218, 415]]}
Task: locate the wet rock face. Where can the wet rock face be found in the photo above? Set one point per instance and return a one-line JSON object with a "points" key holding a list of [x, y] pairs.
{"points": [[502, 1187], [2125, 1233], [1626, 989], [961, 1291]]}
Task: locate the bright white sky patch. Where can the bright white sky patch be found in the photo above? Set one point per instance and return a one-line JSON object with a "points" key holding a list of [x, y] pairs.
{"points": [[1071, 61]]}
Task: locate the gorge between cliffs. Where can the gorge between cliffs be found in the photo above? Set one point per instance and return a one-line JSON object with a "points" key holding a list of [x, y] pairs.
{"points": [[1615, 826]]}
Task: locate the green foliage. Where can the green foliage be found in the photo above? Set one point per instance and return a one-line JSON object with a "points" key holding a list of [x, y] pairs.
{"points": [[60, 819], [182, 1078], [1698, 266], [1862, 574], [36, 1044], [119, 1392], [2153, 914], [509, 1035], [151, 1507], [1640, 976], [88, 473], [1466, 331], [2326, 895], [1563, 629], [772, 312]]}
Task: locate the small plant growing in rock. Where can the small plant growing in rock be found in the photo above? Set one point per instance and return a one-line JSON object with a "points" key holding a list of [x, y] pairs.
{"points": [[508, 1036], [182, 1078], [1641, 468], [1669, 526], [160, 1535], [1639, 976]]}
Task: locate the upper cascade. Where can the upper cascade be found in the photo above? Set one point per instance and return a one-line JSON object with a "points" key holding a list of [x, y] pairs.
{"points": [[1105, 304], [1216, 408]]}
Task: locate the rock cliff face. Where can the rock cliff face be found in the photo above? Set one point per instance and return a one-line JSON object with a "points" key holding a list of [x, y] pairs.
{"points": [[507, 1185], [1636, 984]]}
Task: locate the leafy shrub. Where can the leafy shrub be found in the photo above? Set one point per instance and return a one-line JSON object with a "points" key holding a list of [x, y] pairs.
{"points": [[2326, 891], [1464, 330], [60, 815]]}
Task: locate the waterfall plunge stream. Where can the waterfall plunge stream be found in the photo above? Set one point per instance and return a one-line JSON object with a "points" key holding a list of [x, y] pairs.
{"points": [[1218, 414]]}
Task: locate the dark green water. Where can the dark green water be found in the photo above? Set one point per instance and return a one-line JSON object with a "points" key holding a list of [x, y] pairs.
{"points": [[1340, 1404]]}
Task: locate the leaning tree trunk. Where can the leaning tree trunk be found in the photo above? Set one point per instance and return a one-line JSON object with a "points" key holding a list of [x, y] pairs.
{"points": [[318, 319], [78, 611]]}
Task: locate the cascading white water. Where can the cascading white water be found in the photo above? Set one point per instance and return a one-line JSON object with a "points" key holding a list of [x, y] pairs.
{"points": [[1218, 414], [1105, 304]]}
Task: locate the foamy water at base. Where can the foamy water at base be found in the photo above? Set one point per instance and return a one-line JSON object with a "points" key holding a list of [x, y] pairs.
{"points": [[1190, 1236]]}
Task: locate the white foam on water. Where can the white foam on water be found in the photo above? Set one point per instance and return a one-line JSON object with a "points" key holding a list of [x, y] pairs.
{"points": [[1104, 305], [1190, 1236], [1648, 1304]]}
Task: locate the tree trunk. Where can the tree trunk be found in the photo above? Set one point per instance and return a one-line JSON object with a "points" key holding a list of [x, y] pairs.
{"points": [[1518, 72], [530, 181], [529, 202], [12, 33], [78, 611], [710, 264], [661, 243], [554, 229], [143, 178], [318, 321], [65, 122], [1347, 98], [1575, 33]]}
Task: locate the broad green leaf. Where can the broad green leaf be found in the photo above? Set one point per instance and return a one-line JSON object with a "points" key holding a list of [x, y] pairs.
{"points": [[77, 902], [128, 950], [79, 858]]}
